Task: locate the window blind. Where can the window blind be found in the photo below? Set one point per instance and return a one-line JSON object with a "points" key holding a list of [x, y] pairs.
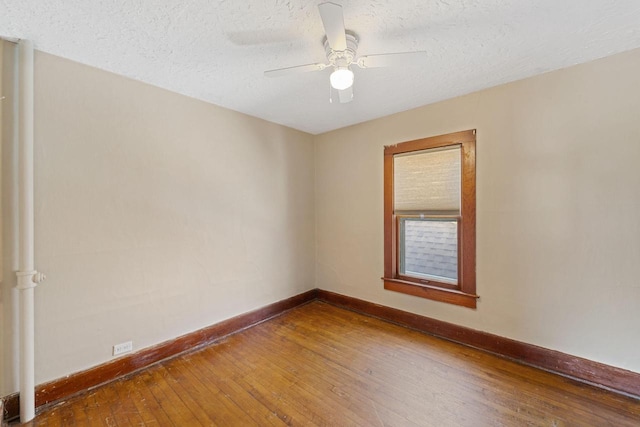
{"points": [[427, 180]]}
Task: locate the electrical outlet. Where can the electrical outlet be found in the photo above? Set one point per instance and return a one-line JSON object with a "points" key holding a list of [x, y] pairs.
{"points": [[124, 347]]}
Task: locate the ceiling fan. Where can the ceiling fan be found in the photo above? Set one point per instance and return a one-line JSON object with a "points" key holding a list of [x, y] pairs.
{"points": [[341, 47]]}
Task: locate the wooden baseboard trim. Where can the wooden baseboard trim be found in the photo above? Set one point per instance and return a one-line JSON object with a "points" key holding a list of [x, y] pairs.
{"points": [[64, 388], [595, 373], [584, 370]]}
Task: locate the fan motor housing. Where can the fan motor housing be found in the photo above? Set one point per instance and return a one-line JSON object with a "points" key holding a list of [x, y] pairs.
{"points": [[342, 58]]}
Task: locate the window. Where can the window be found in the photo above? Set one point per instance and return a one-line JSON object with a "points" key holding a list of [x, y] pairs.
{"points": [[430, 218]]}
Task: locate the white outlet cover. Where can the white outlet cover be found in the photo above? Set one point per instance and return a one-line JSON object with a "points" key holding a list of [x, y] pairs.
{"points": [[122, 348]]}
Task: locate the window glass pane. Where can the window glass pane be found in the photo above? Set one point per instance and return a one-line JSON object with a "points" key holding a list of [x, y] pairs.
{"points": [[429, 249], [427, 180]]}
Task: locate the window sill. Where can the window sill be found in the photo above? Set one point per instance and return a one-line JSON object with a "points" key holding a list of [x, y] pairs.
{"points": [[450, 296]]}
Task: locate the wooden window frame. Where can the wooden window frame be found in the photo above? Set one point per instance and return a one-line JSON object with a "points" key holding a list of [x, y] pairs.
{"points": [[464, 293]]}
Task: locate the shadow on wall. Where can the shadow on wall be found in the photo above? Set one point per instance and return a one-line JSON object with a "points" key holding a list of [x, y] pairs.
{"points": [[9, 345]]}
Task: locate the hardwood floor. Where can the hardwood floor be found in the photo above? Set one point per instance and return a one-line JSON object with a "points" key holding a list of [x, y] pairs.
{"points": [[321, 365]]}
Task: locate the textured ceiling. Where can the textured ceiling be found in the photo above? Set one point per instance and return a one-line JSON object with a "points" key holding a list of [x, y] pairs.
{"points": [[217, 50]]}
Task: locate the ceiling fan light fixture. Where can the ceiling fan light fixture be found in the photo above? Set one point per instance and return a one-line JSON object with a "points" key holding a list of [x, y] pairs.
{"points": [[341, 78], [341, 46]]}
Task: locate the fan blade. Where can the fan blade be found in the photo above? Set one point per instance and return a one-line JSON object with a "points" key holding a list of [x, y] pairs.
{"points": [[292, 70], [346, 95], [391, 59], [333, 21]]}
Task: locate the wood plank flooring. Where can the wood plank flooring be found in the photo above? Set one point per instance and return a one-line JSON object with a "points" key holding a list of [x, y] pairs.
{"points": [[325, 366]]}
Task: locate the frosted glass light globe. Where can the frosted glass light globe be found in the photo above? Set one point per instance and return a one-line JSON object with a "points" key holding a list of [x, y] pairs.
{"points": [[341, 78]]}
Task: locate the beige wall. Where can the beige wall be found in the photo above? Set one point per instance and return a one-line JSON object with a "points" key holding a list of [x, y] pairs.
{"points": [[8, 225], [157, 214], [2, 290], [558, 199]]}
